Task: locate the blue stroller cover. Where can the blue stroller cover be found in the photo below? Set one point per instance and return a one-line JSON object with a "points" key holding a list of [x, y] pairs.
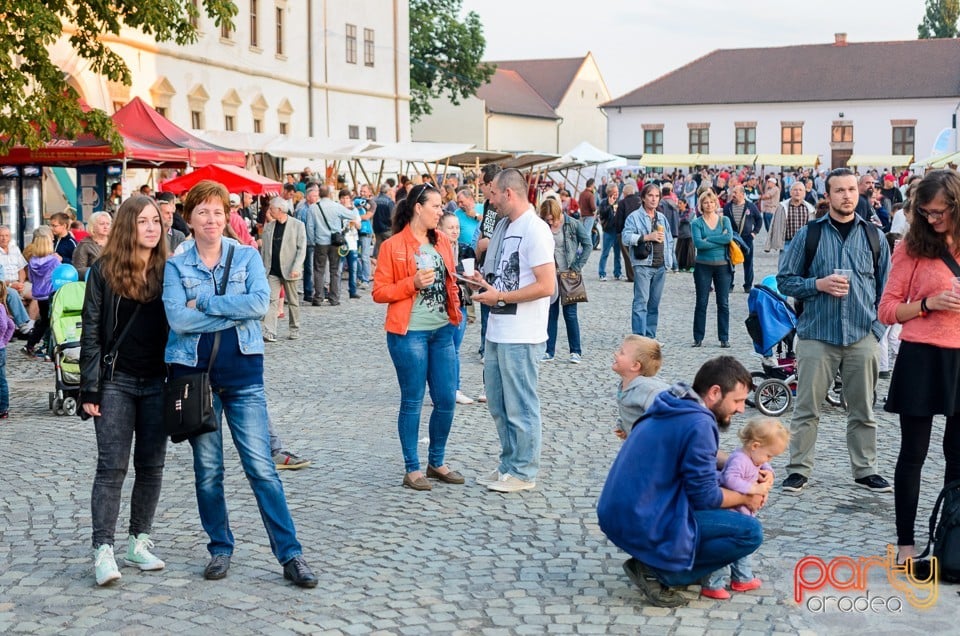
{"points": [[771, 319]]}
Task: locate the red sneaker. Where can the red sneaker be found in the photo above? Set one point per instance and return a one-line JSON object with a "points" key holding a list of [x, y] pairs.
{"points": [[745, 586], [719, 593]]}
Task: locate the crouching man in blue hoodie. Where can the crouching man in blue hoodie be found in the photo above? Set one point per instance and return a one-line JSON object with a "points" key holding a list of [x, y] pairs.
{"points": [[662, 502]]}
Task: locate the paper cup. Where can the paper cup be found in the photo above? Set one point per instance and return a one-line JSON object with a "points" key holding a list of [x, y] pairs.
{"points": [[467, 266]]}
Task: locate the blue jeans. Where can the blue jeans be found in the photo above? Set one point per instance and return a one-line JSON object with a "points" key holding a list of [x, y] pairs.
{"points": [[131, 413], [720, 277], [353, 265], [458, 334], [308, 274], [611, 242], [767, 218], [740, 571], [570, 320], [647, 290], [424, 358], [588, 222], [366, 248], [17, 311], [510, 377], [245, 408], [725, 536]]}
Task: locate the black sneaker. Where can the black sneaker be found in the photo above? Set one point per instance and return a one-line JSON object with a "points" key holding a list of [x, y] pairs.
{"points": [[297, 570], [794, 482], [876, 483], [656, 592], [217, 568]]}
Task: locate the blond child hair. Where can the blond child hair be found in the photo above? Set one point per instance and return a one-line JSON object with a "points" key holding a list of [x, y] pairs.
{"points": [[647, 353], [42, 243], [763, 431]]}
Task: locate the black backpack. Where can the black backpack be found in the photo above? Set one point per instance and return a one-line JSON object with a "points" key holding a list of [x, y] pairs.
{"points": [[945, 533]]}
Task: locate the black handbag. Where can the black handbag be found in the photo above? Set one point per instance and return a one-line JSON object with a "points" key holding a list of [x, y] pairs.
{"points": [[641, 250], [336, 238], [188, 400]]}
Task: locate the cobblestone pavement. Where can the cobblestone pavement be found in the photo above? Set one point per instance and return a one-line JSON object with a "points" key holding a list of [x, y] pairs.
{"points": [[459, 559]]}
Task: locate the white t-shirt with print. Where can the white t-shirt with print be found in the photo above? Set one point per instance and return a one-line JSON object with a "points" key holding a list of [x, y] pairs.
{"points": [[528, 243]]}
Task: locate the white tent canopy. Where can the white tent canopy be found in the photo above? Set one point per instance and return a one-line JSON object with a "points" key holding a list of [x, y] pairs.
{"points": [[582, 162]]}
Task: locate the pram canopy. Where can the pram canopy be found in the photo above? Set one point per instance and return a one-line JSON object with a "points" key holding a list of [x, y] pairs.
{"points": [[65, 313], [771, 318]]}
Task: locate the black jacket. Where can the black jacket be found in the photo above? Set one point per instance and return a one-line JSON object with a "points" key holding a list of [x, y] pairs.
{"points": [[627, 206], [383, 216], [752, 221]]}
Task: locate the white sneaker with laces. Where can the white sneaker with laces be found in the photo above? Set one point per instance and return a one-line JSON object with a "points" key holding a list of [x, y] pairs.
{"points": [[105, 566], [574, 358], [486, 480], [509, 483], [463, 399], [139, 555]]}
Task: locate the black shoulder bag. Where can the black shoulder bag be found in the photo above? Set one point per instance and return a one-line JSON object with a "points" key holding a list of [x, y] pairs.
{"points": [[188, 400], [336, 238], [109, 361]]}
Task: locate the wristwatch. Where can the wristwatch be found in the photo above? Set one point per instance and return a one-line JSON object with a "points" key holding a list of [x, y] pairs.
{"points": [[500, 302]]}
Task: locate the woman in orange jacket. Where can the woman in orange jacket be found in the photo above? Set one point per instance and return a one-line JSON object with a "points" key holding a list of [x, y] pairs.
{"points": [[415, 276]]}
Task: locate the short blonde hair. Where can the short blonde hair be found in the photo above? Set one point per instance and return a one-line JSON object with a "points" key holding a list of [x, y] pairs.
{"points": [[707, 194], [647, 353], [763, 430]]}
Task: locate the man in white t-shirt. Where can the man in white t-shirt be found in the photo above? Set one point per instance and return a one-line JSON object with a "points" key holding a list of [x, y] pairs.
{"points": [[519, 279], [14, 275]]}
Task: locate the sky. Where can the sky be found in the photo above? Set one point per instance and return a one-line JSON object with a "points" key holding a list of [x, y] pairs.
{"points": [[637, 41]]}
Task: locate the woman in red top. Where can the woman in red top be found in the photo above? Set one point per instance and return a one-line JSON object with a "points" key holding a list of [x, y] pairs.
{"points": [[415, 275], [923, 293]]}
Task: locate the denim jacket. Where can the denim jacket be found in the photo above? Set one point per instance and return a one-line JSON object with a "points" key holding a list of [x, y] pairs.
{"points": [[638, 224], [243, 305]]}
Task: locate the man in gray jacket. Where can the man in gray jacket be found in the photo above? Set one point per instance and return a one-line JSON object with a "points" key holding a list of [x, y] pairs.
{"points": [[284, 248]]}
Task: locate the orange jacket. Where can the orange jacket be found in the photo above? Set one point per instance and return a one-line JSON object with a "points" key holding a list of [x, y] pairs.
{"points": [[393, 279]]}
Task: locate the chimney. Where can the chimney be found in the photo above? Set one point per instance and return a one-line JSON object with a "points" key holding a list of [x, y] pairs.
{"points": [[839, 39]]}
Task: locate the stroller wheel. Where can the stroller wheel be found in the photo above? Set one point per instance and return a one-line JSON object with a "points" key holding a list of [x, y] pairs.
{"points": [[773, 397], [70, 406], [58, 407], [758, 377]]}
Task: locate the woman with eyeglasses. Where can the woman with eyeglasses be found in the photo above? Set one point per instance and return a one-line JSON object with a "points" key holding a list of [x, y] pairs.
{"points": [[415, 277], [923, 293]]}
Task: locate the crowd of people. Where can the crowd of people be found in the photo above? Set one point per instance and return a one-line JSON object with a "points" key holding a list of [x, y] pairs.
{"points": [[215, 272]]}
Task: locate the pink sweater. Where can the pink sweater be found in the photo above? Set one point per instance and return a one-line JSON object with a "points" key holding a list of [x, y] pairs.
{"points": [[910, 280]]}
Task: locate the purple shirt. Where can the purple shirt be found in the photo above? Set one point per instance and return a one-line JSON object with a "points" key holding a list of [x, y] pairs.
{"points": [[740, 474]]}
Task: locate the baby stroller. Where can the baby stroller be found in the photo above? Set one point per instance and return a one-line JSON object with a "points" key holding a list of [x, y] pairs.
{"points": [[66, 327], [772, 325]]}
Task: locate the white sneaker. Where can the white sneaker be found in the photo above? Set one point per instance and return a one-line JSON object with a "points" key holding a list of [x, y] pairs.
{"points": [[139, 555], [603, 279], [105, 566], [26, 327], [482, 397], [463, 399], [490, 478], [509, 483], [574, 358]]}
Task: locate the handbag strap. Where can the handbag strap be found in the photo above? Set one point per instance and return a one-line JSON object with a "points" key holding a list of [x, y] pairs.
{"points": [[221, 290], [950, 262], [324, 216], [108, 359]]}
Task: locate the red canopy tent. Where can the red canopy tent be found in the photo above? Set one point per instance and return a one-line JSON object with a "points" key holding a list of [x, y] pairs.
{"points": [[235, 179], [149, 141]]}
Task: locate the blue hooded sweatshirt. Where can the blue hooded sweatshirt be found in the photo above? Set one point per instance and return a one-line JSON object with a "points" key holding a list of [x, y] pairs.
{"points": [[665, 470]]}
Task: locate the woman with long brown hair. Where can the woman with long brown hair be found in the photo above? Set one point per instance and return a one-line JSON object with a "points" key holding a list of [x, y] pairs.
{"points": [[923, 294], [121, 380]]}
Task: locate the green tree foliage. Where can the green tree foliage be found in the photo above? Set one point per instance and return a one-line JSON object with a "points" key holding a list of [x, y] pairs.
{"points": [[445, 54], [36, 94], [940, 20]]}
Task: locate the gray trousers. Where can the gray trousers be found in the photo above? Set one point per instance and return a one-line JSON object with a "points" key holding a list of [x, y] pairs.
{"points": [[817, 365]]}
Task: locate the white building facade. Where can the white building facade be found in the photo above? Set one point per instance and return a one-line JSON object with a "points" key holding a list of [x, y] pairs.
{"points": [[319, 68]]}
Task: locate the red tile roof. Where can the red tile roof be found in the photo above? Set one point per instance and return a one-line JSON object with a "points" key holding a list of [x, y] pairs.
{"points": [[813, 72], [550, 78], [508, 93]]}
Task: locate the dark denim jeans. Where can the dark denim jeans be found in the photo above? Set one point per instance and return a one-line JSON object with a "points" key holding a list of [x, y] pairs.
{"points": [[747, 264], [484, 317], [424, 358], [308, 274], [4, 388], [458, 334], [246, 415], [720, 276], [131, 412], [570, 320], [724, 537]]}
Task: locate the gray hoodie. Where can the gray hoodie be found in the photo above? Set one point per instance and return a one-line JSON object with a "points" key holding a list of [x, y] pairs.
{"points": [[636, 398]]}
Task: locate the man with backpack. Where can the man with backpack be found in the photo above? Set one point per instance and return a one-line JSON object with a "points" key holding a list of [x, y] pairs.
{"points": [[839, 278]]}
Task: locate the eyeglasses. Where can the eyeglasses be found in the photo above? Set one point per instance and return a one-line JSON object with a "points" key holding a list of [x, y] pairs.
{"points": [[931, 214]]}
